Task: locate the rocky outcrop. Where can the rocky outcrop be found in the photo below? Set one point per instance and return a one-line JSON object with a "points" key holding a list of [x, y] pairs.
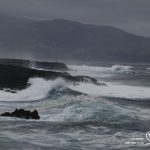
{"points": [[21, 113], [16, 78], [50, 65], [8, 90], [58, 66], [87, 79]]}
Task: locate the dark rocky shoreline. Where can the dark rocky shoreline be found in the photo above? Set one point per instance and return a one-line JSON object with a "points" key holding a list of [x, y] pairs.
{"points": [[16, 77], [57, 66]]}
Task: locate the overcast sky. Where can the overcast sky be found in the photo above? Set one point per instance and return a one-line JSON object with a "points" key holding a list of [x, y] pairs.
{"points": [[130, 15]]}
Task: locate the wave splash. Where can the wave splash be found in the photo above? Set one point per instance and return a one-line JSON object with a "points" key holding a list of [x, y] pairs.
{"points": [[114, 90], [95, 71], [121, 69], [41, 88]]}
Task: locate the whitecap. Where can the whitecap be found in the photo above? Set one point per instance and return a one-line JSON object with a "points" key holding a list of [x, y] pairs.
{"points": [[99, 71], [113, 90], [39, 89]]}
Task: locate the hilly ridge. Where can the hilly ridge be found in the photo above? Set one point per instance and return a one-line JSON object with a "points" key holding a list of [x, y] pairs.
{"points": [[63, 39]]}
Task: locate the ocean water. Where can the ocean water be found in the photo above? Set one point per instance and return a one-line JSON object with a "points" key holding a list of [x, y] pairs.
{"points": [[82, 116]]}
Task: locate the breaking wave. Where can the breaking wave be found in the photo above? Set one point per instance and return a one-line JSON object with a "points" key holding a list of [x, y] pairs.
{"points": [[79, 112], [95, 70], [41, 88], [114, 90], [120, 69]]}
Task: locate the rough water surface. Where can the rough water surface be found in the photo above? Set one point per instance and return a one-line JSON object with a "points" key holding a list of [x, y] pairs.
{"points": [[82, 116]]}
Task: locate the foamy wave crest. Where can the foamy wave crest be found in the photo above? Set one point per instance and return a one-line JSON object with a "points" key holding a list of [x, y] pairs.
{"points": [[39, 89], [120, 69], [96, 71], [113, 90]]}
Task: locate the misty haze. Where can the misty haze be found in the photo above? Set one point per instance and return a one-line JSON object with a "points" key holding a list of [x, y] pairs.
{"points": [[74, 74]]}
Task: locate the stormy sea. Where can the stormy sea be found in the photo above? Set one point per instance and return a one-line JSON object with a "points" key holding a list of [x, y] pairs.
{"points": [[82, 115]]}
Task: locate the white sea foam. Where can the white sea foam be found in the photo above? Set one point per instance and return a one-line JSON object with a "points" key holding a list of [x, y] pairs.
{"points": [[39, 89], [96, 71], [120, 69], [113, 90]]}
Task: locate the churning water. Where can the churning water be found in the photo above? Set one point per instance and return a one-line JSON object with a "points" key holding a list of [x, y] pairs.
{"points": [[82, 116]]}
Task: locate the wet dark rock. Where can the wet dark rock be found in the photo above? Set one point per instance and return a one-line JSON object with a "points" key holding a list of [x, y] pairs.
{"points": [[8, 90], [6, 114], [21, 113], [16, 78], [50, 66], [57, 66], [35, 115]]}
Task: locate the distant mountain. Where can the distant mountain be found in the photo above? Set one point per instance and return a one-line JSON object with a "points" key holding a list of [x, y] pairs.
{"points": [[11, 26], [62, 39]]}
